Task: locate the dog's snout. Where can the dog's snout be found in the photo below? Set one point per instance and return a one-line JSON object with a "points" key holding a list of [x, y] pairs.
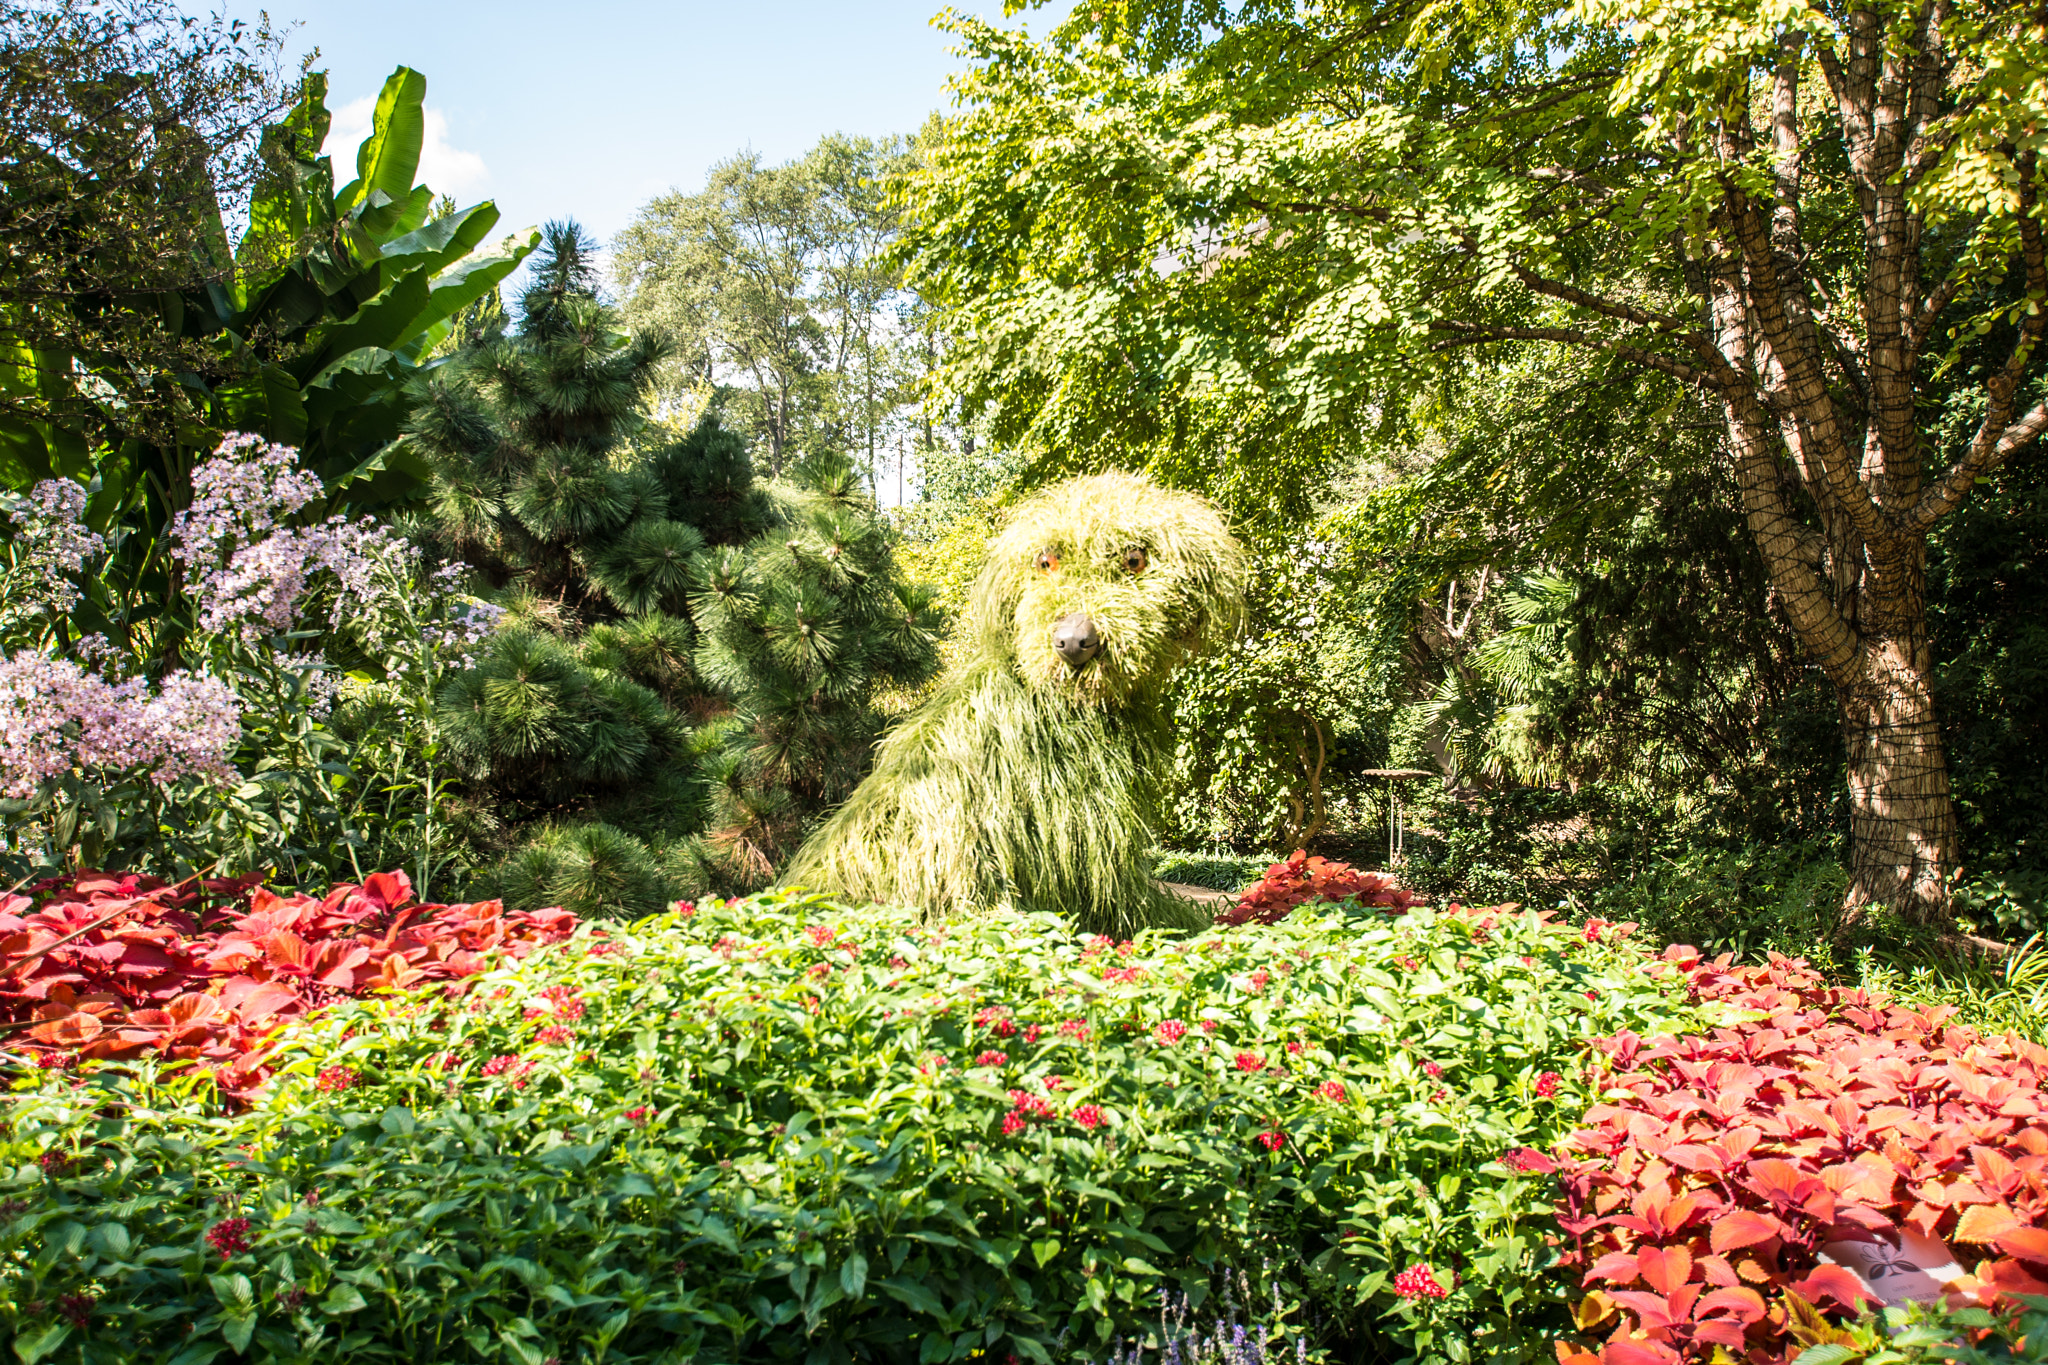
{"points": [[1077, 639]]}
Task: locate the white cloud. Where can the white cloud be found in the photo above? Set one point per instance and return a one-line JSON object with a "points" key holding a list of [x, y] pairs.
{"points": [[446, 169]]}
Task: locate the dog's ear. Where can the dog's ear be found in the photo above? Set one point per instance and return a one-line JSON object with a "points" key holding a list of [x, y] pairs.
{"points": [[991, 615]]}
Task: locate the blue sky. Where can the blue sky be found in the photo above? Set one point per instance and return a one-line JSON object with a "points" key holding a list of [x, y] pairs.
{"points": [[589, 110]]}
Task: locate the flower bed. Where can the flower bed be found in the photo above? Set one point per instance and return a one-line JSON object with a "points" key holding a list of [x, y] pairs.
{"points": [[1717, 1167], [781, 1127], [118, 966]]}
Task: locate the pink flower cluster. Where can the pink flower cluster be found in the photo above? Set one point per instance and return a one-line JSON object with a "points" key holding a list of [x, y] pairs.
{"points": [[1419, 1282], [51, 541], [336, 1078], [229, 1237], [55, 716]]}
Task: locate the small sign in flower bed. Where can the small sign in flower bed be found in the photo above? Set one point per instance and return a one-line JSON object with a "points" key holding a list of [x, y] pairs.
{"points": [[100, 966], [786, 1129]]}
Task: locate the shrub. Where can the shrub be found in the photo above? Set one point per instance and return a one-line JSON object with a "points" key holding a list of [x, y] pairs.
{"points": [[1719, 1166], [782, 1129], [127, 966], [1302, 879]]}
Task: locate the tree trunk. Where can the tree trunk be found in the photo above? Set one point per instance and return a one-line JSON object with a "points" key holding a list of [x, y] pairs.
{"points": [[1903, 845]]}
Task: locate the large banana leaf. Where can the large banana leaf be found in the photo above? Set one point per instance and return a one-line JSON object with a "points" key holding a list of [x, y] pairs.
{"points": [[390, 155]]}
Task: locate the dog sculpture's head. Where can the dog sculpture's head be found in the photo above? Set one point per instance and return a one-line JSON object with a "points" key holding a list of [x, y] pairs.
{"points": [[1097, 587]]}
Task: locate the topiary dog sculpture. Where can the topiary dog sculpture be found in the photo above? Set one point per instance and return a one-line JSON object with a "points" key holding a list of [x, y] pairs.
{"points": [[1029, 778]]}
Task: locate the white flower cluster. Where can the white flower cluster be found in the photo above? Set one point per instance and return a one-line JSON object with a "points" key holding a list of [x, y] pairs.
{"points": [[55, 716], [50, 541]]}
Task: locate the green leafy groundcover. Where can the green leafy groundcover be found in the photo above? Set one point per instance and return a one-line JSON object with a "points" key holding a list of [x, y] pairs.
{"points": [[781, 1128]]}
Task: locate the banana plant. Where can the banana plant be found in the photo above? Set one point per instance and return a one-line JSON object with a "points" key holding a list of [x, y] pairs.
{"points": [[322, 316]]}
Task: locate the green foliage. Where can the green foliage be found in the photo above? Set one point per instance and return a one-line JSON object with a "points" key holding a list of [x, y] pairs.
{"points": [[785, 1129], [1221, 871], [1028, 779], [695, 654], [312, 344], [775, 282]]}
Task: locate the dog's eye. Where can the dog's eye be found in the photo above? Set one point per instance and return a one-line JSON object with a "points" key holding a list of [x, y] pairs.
{"points": [[1134, 559], [1047, 561]]}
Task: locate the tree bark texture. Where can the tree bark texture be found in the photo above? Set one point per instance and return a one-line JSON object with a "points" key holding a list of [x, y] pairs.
{"points": [[1819, 374]]}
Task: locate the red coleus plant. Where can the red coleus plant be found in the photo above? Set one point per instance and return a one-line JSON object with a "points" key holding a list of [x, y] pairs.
{"points": [[119, 966], [1302, 879], [1715, 1200]]}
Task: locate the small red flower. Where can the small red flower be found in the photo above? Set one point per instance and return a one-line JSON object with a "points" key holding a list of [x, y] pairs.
{"points": [[1432, 1070], [1259, 979], [820, 971], [1169, 1031], [992, 1058], [229, 1237], [1272, 1142], [1332, 1090], [1055, 1082], [500, 1064], [336, 1078], [899, 963], [684, 909], [638, 1115], [554, 1034], [1593, 928], [1592, 995], [1547, 1083], [820, 936], [1031, 1032], [1088, 1116], [56, 1061], [450, 1060], [1419, 1282], [1250, 1061], [1209, 1026], [1410, 963], [1528, 961], [76, 1308], [1013, 1123], [1077, 1029]]}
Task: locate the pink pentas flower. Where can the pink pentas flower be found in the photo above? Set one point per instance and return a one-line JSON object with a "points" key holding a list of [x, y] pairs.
{"points": [[1209, 1026], [1031, 1032], [1088, 1115], [1419, 1282], [992, 1058], [638, 1115], [1013, 1123], [1250, 1061], [1259, 978], [1432, 1070], [1271, 1141], [1077, 1029], [1169, 1031], [820, 936], [554, 1035], [1547, 1083], [229, 1237], [1332, 1091], [336, 1078], [500, 1064], [1294, 1045], [1055, 1082]]}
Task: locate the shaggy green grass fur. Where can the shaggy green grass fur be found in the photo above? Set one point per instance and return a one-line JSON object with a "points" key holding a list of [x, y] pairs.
{"points": [[1022, 782]]}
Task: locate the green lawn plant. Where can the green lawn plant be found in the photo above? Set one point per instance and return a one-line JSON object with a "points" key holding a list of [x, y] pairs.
{"points": [[784, 1129]]}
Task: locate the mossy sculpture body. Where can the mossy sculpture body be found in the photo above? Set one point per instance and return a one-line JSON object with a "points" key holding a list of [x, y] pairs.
{"points": [[1030, 776]]}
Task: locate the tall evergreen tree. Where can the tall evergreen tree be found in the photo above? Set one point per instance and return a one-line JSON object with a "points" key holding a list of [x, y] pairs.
{"points": [[602, 731]]}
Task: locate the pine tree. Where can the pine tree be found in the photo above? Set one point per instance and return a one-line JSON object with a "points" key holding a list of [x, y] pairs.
{"points": [[801, 626], [686, 650]]}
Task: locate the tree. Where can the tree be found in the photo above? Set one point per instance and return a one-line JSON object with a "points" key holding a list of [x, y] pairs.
{"points": [[773, 279], [687, 683], [1807, 215]]}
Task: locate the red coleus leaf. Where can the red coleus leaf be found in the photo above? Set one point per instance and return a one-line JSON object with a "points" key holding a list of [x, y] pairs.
{"points": [[1833, 1282], [2028, 1243], [1742, 1228]]}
